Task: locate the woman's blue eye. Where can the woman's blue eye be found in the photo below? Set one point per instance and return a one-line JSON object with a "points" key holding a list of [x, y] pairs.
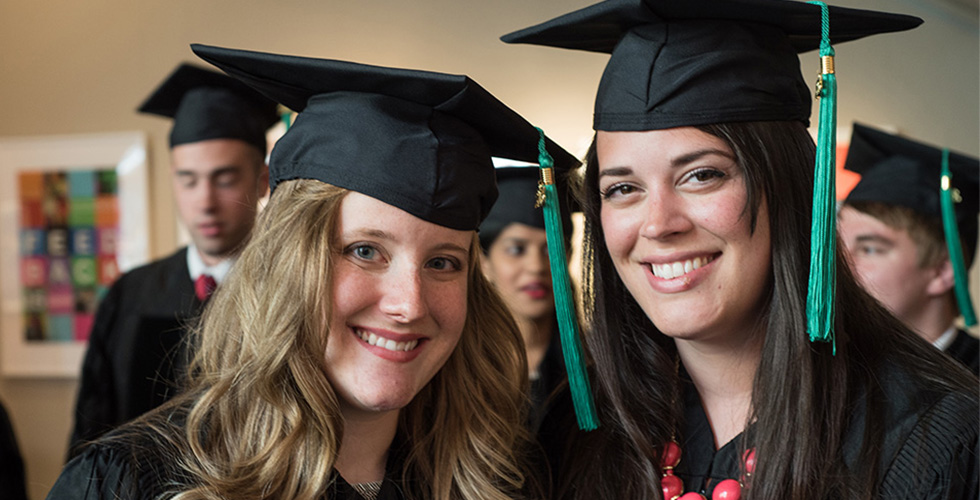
{"points": [[443, 264], [365, 252]]}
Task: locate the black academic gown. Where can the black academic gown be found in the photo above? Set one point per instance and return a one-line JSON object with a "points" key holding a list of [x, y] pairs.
{"points": [[134, 468], [929, 449], [966, 349], [136, 347], [551, 373]]}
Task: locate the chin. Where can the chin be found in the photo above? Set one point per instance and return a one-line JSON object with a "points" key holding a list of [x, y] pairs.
{"points": [[385, 404], [541, 311]]}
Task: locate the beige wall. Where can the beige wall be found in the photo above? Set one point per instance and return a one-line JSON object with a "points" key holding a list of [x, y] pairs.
{"points": [[83, 66]]}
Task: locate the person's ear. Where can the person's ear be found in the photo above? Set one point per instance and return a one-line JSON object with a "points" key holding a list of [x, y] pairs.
{"points": [[263, 184], [486, 267], [943, 279]]}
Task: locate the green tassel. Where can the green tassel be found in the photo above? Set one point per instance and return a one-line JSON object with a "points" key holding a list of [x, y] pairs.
{"points": [[823, 280], [571, 345], [286, 116], [953, 244]]}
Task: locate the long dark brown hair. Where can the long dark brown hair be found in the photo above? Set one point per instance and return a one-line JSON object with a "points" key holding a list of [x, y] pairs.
{"points": [[802, 393]]}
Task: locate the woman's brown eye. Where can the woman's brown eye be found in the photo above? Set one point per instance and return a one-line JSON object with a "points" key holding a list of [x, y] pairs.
{"points": [[707, 174], [617, 189]]}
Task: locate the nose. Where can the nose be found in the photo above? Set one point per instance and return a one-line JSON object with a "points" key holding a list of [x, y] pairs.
{"points": [[536, 260], [664, 217], [404, 296], [207, 196]]}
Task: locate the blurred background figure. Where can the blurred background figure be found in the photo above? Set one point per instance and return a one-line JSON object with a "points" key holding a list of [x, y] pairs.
{"points": [[12, 486], [892, 226], [515, 249], [217, 147]]}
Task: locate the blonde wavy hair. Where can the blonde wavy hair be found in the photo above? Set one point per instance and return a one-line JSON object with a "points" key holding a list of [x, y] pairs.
{"points": [[262, 420]]}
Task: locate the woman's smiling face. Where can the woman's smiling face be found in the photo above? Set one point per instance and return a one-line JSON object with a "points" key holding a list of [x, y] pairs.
{"points": [[399, 287], [678, 230]]}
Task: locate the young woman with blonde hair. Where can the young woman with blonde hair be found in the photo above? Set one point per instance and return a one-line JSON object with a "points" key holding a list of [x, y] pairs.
{"points": [[356, 351]]}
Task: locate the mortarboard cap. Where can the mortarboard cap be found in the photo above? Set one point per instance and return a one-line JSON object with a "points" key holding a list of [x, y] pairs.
{"points": [[207, 105], [899, 171], [518, 187], [699, 62], [420, 141]]}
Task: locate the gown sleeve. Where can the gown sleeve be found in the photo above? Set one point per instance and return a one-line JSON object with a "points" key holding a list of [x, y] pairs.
{"points": [[939, 458], [95, 406], [105, 472]]}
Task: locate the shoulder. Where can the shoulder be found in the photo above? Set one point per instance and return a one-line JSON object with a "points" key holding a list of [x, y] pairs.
{"points": [[931, 440], [108, 469], [139, 460], [159, 287], [163, 266], [966, 349]]}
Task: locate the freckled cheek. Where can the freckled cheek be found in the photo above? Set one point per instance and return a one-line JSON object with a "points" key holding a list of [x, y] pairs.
{"points": [[447, 305]]}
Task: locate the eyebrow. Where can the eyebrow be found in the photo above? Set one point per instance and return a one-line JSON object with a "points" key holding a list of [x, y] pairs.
{"points": [[374, 233], [874, 238], [384, 235], [674, 163], [225, 169], [451, 247]]}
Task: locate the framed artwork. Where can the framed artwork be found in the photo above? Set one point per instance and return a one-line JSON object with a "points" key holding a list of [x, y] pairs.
{"points": [[73, 216]]}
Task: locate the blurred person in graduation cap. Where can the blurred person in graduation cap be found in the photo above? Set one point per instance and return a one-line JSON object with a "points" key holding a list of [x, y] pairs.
{"points": [[217, 152], [735, 355], [515, 259], [906, 249], [357, 351]]}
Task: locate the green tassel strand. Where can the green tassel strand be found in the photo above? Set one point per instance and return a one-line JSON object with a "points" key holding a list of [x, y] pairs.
{"points": [[578, 376], [952, 233], [823, 265], [286, 116]]}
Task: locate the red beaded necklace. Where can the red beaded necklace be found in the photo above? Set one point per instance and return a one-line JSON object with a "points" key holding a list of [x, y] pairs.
{"points": [[727, 489]]}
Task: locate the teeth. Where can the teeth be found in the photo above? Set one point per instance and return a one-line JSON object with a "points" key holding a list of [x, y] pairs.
{"points": [[676, 269], [388, 344]]}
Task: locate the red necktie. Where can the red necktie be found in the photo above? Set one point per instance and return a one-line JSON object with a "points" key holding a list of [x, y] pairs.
{"points": [[204, 286]]}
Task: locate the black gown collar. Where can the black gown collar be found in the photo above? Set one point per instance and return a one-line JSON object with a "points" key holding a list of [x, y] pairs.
{"points": [[701, 466]]}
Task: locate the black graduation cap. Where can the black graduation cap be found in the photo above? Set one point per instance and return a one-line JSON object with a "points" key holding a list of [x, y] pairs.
{"points": [[417, 140], [209, 105], [697, 62], [899, 171], [518, 187]]}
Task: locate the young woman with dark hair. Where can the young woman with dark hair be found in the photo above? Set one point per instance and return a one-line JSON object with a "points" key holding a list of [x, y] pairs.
{"points": [[698, 195]]}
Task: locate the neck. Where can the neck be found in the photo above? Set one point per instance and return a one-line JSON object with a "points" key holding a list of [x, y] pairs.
{"points": [[365, 444], [933, 318], [212, 260], [537, 337], [723, 376]]}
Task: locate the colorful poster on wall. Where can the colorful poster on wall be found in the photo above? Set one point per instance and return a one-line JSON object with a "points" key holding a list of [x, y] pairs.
{"points": [[73, 218], [68, 231]]}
